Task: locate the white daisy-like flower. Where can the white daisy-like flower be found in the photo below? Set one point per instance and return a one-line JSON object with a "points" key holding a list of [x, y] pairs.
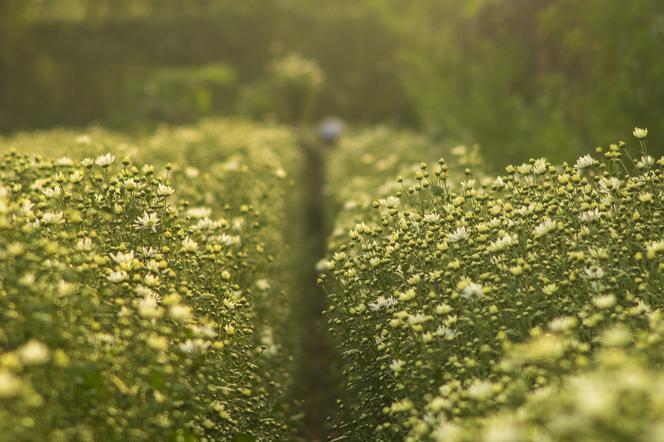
{"points": [[653, 248], [52, 218], [148, 306], [180, 313], [457, 235], [472, 290], [10, 384], [34, 353], [189, 245], [199, 212], [83, 139], [418, 318], [148, 221], [164, 190], [640, 133], [499, 183], [503, 243], [584, 162], [540, 166], [64, 161], [382, 302], [645, 162], [594, 272], [191, 172], [123, 258], [445, 332], [397, 365], [263, 284], [546, 226], [590, 216], [104, 160], [392, 202], [118, 276], [84, 244]]}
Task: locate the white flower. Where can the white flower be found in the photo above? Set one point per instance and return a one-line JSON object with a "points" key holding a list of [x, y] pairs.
{"points": [[501, 431], [594, 272], [180, 313], [262, 284], [51, 218], [499, 183], [445, 332], [645, 162], [431, 218], [653, 248], [148, 221], [540, 166], [503, 242], [609, 184], [104, 160], [604, 301], [164, 190], [83, 139], [584, 162], [546, 226], [34, 353], [562, 323], [322, 265], [76, 177], [417, 319], [64, 161], [148, 307], [397, 365], [458, 234], [199, 212], [123, 258], [26, 206], [524, 169], [151, 280], [480, 390], [87, 162], [382, 302], [590, 215], [52, 192], [10, 384], [118, 276], [191, 172], [392, 202], [471, 290], [640, 133], [189, 245]]}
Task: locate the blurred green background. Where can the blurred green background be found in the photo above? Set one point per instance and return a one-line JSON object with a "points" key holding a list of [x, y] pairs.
{"points": [[523, 78]]}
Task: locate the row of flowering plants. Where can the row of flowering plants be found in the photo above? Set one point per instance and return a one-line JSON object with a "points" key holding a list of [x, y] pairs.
{"points": [[526, 307], [144, 302], [365, 163]]}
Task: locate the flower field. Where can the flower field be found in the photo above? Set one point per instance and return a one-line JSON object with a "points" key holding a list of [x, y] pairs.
{"points": [[145, 302], [149, 288], [520, 308]]}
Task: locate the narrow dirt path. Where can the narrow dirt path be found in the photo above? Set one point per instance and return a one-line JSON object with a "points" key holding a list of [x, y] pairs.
{"points": [[315, 376]]}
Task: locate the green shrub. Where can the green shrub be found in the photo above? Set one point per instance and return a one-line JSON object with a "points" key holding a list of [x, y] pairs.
{"points": [[435, 295], [142, 303]]}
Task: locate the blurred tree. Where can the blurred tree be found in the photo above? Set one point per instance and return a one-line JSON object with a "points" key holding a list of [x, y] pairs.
{"points": [[521, 77]]}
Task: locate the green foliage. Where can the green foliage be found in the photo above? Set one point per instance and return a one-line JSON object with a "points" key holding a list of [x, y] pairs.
{"points": [[182, 94], [558, 74], [143, 303], [459, 305]]}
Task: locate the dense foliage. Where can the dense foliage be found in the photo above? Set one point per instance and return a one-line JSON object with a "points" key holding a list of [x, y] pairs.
{"points": [[147, 303], [470, 311], [557, 76]]}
